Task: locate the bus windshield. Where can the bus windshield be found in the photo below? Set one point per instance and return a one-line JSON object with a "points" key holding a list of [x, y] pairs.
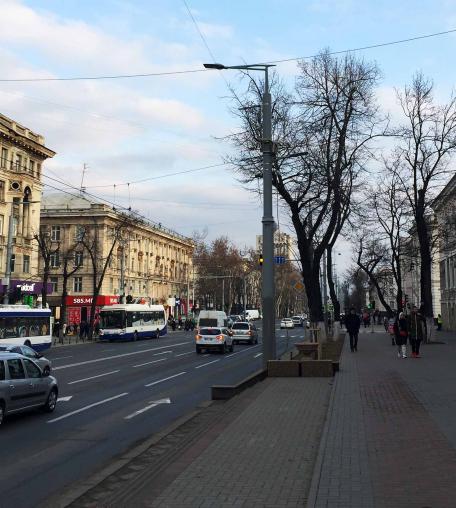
{"points": [[111, 319]]}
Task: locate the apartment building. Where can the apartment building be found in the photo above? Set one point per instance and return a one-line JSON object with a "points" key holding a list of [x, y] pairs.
{"points": [[155, 262], [283, 245], [22, 154]]}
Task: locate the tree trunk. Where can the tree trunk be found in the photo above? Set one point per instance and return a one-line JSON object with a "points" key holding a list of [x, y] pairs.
{"points": [[313, 292], [63, 306], [45, 282], [426, 264], [332, 291]]}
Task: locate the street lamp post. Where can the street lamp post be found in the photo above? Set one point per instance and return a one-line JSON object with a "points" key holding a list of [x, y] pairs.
{"points": [[268, 298]]}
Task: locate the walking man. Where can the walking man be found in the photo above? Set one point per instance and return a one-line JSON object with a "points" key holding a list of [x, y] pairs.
{"points": [[352, 324], [416, 333]]}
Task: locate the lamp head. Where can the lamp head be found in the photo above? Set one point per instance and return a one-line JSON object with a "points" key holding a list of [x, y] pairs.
{"points": [[217, 66]]}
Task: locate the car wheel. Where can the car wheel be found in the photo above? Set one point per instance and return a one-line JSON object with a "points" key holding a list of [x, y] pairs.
{"points": [[135, 336], [51, 402], [46, 371], [28, 343], [2, 412]]}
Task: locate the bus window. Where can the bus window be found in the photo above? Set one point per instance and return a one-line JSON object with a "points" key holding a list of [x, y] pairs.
{"points": [[147, 318]]}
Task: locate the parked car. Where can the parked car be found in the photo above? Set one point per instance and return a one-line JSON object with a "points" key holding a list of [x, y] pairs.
{"points": [[298, 320], [245, 332], [286, 323], [44, 364], [209, 338], [24, 386]]}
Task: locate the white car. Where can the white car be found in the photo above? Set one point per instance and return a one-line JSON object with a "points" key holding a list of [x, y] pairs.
{"points": [[286, 323], [214, 338]]}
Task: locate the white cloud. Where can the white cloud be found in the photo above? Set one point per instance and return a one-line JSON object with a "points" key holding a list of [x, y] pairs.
{"points": [[213, 30]]}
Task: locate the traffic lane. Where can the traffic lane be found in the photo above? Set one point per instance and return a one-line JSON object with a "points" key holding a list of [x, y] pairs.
{"points": [[184, 395]]}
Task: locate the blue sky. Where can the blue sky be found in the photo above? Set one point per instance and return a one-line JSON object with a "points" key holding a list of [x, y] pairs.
{"points": [[133, 129]]}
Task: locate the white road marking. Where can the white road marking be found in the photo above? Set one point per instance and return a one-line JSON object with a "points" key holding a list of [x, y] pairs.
{"points": [[85, 408], [93, 377], [113, 357], [60, 358], [65, 399], [165, 379], [238, 352], [148, 363], [162, 353], [150, 406], [259, 354], [208, 363], [187, 353]]}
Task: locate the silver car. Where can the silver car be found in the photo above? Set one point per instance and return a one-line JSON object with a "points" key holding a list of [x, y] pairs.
{"points": [[28, 352], [214, 338], [244, 332], [24, 386]]}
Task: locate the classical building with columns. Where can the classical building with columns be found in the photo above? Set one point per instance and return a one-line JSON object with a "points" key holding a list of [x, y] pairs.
{"points": [[22, 153], [157, 262]]}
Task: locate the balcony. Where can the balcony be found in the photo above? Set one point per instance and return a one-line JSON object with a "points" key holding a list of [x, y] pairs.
{"points": [[17, 168]]}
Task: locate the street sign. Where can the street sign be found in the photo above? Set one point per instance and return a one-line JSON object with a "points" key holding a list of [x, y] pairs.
{"points": [[279, 260], [299, 286]]}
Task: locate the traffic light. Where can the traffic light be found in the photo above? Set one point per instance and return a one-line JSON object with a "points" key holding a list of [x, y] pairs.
{"points": [[369, 305], [260, 260], [373, 304]]}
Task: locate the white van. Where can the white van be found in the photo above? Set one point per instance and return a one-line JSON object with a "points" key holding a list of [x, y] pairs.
{"points": [[212, 318], [251, 314]]}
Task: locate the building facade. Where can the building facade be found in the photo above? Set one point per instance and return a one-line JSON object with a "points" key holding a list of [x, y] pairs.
{"points": [[147, 259], [22, 153], [283, 245], [445, 210]]}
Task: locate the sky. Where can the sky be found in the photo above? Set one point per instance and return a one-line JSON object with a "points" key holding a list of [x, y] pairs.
{"points": [[146, 129]]}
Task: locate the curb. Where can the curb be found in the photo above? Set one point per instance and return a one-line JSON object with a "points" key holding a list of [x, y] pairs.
{"points": [[316, 475], [72, 494], [226, 392]]}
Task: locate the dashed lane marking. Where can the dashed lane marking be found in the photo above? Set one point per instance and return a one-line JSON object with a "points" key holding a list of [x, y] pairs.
{"points": [[164, 379], [86, 408], [208, 363], [150, 406], [93, 377], [148, 363]]}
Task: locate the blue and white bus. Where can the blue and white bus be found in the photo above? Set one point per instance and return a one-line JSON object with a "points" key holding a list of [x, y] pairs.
{"points": [[20, 324], [131, 321]]}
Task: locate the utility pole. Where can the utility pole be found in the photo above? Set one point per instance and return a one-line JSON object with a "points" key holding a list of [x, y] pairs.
{"points": [[9, 252], [325, 292], [245, 295], [223, 294], [122, 273]]}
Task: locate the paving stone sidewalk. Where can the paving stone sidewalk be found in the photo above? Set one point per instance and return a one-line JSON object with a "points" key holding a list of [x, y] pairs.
{"points": [[265, 458], [386, 443]]}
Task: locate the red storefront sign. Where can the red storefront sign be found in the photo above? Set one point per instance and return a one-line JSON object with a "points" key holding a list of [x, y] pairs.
{"points": [[74, 315], [87, 300]]}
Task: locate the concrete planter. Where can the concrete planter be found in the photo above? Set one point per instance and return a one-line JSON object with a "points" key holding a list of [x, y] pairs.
{"points": [[308, 349]]}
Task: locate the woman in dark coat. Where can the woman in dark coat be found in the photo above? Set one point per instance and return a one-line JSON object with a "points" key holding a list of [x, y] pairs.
{"points": [[401, 335]]}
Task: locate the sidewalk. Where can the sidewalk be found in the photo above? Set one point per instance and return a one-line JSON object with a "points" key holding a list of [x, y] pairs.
{"points": [[388, 442]]}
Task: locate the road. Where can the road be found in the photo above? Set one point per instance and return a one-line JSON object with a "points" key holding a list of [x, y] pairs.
{"points": [[112, 396]]}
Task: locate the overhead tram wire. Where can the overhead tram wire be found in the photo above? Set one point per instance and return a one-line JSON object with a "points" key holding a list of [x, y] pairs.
{"points": [[193, 71]]}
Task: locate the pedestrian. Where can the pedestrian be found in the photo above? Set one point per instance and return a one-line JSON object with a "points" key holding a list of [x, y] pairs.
{"points": [[401, 334], [352, 324], [385, 323], [439, 322], [415, 330], [173, 324], [366, 319]]}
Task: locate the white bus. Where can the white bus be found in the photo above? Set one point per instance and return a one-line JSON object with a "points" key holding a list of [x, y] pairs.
{"points": [[20, 324], [131, 321]]}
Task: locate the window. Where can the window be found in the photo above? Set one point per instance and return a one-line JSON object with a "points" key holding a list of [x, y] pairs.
{"points": [[4, 158], [2, 370], [15, 221], [13, 262], [32, 370], [16, 369], [18, 161], [55, 233], [54, 284], [2, 190], [77, 284], [38, 169], [79, 235], [26, 264], [2, 220], [78, 258], [54, 260], [32, 166], [111, 284]]}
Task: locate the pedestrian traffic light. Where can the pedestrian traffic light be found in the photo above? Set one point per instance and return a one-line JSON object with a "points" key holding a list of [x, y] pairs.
{"points": [[373, 304], [260, 260], [369, 305]]}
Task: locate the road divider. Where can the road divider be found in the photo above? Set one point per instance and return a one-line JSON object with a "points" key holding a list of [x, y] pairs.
{"points": [[86, 408], [164, 379], [93, 377], [150, 406]]}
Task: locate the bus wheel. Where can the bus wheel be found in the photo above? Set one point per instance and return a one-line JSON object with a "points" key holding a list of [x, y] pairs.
{"points": [[28, 343], [135, 336]]}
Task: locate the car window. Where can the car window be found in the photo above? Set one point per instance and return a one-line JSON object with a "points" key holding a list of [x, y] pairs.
{"points": [[240, 326], [16, 349], [32, 369], [16, 369], [2, 370], [209, 331], [28, 351]]}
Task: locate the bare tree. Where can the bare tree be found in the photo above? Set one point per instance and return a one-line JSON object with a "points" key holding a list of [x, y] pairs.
{"points": [[427, 142], [46, 248], [322, 137]]}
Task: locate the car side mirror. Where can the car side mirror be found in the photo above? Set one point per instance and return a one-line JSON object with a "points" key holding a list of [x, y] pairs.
{"points": [[45, 373]]}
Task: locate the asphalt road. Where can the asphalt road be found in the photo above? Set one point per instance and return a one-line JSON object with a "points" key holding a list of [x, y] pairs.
{"points": [[117, 395]]}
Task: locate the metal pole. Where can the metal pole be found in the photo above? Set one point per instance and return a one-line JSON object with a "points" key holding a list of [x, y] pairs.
{"points": [[223, 294], [9, 252], [245, 296], [122, 274], [188, 295], [268, 303]]}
